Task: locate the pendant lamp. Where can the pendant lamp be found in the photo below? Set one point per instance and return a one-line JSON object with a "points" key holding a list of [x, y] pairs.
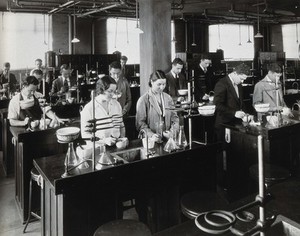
{"points": [[240, 36], [258, 35], [75, 39], [137, 27], [297, 33], [249, 41], [193, 43]]}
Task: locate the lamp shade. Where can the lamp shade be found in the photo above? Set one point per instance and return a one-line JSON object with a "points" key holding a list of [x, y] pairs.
{"points": [[75, 40], [258, 35]]}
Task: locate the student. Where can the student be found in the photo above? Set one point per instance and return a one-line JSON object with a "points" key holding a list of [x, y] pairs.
{"points": [[61, 85], [152, 108], [175, 79], [8, 81], [228, 98], [105, 107], [24, 106], [123, 89]]}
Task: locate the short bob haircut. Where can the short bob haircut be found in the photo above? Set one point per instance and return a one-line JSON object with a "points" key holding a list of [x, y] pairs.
{"points": [[103, 84], [37, 72], [30, 80], [158, 74]]}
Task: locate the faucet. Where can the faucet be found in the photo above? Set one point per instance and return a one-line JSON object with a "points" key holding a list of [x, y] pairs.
{"points": [[143, 131], [297, 85]]}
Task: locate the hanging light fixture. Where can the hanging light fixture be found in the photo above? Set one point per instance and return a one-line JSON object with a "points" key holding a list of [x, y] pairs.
{"points": [[219, 36], [44, 22], [127, 30], [240, 35], [249, 41], [137, 27], [174, 38], [75, 39], [258, 35], [297, 33], [193, 43], [116, 32]]}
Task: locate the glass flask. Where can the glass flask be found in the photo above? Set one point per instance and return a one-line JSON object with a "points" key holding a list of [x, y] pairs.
{"points": [[71, 159], [181, 139], [171, 144]]}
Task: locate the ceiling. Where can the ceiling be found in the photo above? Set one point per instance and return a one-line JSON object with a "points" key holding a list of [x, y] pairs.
{"points": [[213, 11]]}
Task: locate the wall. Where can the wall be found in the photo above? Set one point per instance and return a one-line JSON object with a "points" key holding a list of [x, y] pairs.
{"points": [[84, 34], [100, 39], [60, 33]]}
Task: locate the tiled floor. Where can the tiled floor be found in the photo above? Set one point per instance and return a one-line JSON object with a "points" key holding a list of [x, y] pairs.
{"points": [[10, 220]]}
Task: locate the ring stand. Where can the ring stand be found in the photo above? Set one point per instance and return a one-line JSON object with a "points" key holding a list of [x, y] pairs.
{"points": [[219, 221]]}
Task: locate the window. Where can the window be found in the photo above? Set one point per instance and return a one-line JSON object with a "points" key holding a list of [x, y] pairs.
{"points": [[122, 36], [290, 37], [24, 38], [233, 40]]}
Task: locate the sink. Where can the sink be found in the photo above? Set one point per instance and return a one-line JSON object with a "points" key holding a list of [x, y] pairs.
{"points": [[283, 227], [131, 154], [291, 91]]}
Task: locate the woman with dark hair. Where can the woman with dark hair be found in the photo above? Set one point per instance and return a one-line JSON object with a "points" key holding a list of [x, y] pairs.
{"points": [[105, 107], [24, 106], [152, 108]]}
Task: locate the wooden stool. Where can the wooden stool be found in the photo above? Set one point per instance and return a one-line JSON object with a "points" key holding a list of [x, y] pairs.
{"points": [[273, 174], [194, 203], [35, 176], [123, 228]]}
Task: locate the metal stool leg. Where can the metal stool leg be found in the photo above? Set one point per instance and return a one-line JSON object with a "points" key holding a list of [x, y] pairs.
{"points": [[29, 207], [30, 213]]}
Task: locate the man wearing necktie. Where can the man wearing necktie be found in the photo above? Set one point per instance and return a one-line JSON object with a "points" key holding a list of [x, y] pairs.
{"points": [[62, 84], [8, 81], [228, 98], [123, 62], [175, 79], [203, 79], [269, 90]]}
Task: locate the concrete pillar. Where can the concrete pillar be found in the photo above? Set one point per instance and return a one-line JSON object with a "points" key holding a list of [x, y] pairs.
{"points": [[155, 42]]}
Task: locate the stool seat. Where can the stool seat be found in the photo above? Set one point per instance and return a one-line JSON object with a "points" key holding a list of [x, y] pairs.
{"points": [[273, 173], [34, 174], [123, 228], [194, 203]]}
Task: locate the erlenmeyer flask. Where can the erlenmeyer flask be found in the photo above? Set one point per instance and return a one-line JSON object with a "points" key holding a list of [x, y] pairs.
{"points": [[170, 145], [181, 139], [71, 159]]}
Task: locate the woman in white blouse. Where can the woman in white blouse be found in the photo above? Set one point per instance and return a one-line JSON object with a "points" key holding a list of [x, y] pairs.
{"points": [[106, 106]]}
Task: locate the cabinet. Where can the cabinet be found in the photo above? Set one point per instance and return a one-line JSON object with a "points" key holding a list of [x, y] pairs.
{"points": [[78, 205], [83, 62]]}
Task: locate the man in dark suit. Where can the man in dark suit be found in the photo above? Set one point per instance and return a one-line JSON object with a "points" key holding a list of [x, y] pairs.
{"points": [[175, 79], [228, 98], [62, 84], [37, 73], [203, 80]]}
